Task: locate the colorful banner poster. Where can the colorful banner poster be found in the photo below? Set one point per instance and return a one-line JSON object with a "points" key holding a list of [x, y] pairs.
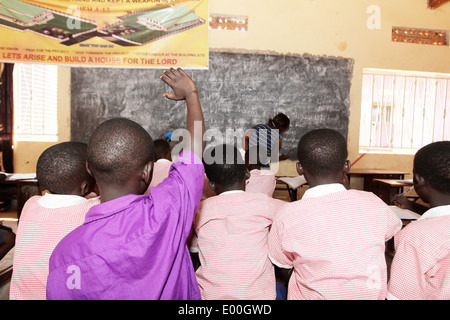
{"points": [[106, 33]]}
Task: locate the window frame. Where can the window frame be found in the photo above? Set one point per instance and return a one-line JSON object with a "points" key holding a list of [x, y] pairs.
{"points": [[35, 118], [404, 105]]}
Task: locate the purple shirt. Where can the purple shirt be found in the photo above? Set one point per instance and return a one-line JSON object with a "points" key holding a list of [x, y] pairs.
{"points": [[133, 247]]}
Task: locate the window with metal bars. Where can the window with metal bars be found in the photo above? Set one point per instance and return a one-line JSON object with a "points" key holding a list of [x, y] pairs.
{"points": [[402, 111], [35, 102]]}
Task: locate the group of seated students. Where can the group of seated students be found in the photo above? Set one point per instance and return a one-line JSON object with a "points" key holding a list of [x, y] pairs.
{"points": [[139, 238]]}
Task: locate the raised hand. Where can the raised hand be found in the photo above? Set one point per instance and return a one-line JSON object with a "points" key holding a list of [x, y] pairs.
{"points": [[182, 85]]}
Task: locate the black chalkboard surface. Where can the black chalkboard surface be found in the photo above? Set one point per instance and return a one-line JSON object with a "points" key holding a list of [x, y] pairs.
{"points": [[238, 91]]}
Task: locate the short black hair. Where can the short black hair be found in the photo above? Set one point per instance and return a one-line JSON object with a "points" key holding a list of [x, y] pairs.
{"points": [[224, 165], [432, 162], [322, 152], [61, 168], [162, 148], [280, 121], [117, 148]]}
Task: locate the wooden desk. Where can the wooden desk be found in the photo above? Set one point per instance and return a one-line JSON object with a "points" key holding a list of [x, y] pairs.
{"points": [[292, 184], [19, 196], [386, 189], [284, 186], [370, 174]]}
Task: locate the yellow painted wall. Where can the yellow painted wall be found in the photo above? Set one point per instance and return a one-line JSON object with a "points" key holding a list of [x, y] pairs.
{"points": [[317, 27]]}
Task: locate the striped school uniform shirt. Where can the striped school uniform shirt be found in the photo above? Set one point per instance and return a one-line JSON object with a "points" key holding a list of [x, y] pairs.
{"points": [[160, 171], [421, 266], [261, 181], [43, 223], [335, 240], [232, 233]]}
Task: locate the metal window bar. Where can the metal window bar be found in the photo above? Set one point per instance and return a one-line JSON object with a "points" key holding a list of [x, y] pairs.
{"points": [[446, 105], [36, 106]]}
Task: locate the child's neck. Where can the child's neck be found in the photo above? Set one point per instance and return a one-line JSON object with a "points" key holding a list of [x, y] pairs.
{"points": [[112, 192], [438, 199], [314, 182], [239, 186]]}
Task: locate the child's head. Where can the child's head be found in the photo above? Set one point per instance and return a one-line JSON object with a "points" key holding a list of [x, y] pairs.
{"points": [[162, 149], [432, 171], [225, 168], [322, 156], [120, 155], [61, 169], [280, 122]]}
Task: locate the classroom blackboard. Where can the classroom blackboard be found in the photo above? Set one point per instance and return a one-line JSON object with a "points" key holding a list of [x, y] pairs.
{"points": [[238, 91]]}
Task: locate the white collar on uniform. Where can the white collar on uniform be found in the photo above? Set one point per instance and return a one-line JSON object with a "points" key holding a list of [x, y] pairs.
{"points": [[436, 212], [55, 201], [323, 190], [231, 191], [163, 160]]}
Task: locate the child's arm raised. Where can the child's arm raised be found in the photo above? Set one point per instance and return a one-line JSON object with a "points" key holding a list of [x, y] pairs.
{"points": [[184, 88]]}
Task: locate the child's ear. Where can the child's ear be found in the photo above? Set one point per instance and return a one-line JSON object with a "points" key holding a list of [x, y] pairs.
{"points": [[422, 187], [212, 185], [87, 186], [147, 172], [87, 168], [419, 181], [347, 166], [247, 174], [299, 168]]}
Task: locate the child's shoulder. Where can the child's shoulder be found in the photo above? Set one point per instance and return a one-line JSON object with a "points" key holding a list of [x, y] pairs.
{"points": [[262, 172], [331, 200], [420, 230], [365, 195], [243, 197], [358, 196], [31, 204]]}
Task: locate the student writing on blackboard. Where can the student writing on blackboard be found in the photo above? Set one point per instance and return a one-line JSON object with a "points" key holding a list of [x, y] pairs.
{"points": [[268, 137], [421, 264], [333, 239], [133, 245]]}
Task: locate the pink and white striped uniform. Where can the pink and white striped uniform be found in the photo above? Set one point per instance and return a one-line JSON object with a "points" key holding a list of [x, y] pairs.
{"points": [[263, 181], [335, 240], [160, 171], [43, 223], [421, 266], [232, 230]]}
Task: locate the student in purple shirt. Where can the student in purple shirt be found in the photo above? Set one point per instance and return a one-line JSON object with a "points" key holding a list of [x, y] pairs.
{"points": [[133, 245]]}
